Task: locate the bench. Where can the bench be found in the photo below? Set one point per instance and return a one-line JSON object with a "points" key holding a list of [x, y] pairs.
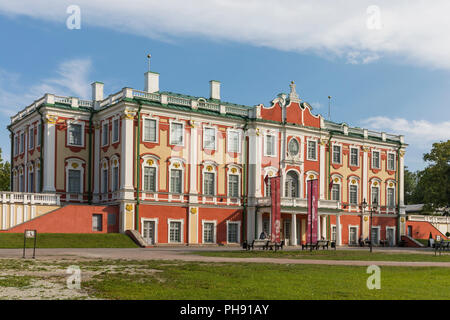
{"points": [[321, 243], [443, 245], [263, 244], [275, 245]]}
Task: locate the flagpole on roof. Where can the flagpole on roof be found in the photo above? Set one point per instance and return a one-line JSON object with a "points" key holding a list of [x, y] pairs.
{"points": [[329, 108]]}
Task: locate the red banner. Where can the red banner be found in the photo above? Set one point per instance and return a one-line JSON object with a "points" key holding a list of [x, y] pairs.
{"points": [[276, 208], [313, 205]]}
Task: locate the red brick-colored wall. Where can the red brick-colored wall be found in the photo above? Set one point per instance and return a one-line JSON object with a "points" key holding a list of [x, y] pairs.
{"points": [[422, 229], [71, 219]]}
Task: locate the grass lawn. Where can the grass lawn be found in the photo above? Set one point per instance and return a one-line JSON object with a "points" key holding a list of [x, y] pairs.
{"points": [[229, 281], [329, 255], [68, 240]]}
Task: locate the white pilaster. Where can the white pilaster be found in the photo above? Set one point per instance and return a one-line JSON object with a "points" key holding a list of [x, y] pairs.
{"points": [[338, 230], [49, 157], [193, 161], [293, 239], [364, 176], [96, 189], [128, 156], [322, 171]]}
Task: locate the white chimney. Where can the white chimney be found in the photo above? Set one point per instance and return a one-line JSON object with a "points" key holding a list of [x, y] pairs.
{"points": [[214, 89], [97, 91], [151, 82]]}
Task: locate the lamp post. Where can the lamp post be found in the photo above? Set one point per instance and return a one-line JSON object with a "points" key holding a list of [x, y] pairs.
{"points": [[373, 208]]}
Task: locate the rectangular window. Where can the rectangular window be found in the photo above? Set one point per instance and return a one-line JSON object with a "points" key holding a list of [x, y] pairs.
{"points": [[233, 185], [74, 181], [39, 133], [16, 145], [38, 180], [337, 154], [176, 133], [22, 183], [31, 182], [354, 157], [333, 233], [375, 236], [336, 192], [374, 195], [270, 145], [233, 232], [208, 232], [376, 159], [150, 179], [115, 182], [31, 138], [175, 231], [209, 184], [97, 222], [22, 142], [312, 150], [233, 141], [391, 161], [266, 225], [150, 130], [75, 134], [115, 130], [353, 235], [105, 181], [209, 138], [391, 197], [175, 178], [105, 134], [353, 195]]}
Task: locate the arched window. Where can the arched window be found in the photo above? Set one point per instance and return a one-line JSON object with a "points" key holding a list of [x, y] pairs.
{"points": [[291, 185]]}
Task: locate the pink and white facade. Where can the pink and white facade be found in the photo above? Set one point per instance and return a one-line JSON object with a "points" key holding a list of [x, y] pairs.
{"points": [[190, 170]]}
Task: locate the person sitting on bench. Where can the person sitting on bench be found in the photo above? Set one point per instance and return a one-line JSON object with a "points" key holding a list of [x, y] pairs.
{"points": [[263, 235]]}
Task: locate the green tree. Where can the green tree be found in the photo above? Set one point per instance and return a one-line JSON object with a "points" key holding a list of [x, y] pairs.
{"points": [[411, 179], [5, 174], [433, 186]]}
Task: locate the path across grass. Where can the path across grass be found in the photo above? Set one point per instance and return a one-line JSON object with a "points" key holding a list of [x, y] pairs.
{"points": [[329, 255]]}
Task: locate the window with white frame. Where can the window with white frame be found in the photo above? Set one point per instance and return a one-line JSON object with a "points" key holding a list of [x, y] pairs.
{"points": [[374, 195], [30, 180], [233, 185], [22, 142], [105, 134], [149, 179], [268, 188], [74, 181], [270, 145], [312, 150], [39, 134], [293, 147], [176, 133], [21, 181], [375, 235], [105, 180], [31, 138], [391, 161], [209, 183], [376, 159], [175, 231], [336, 192], [176, 180], [391, 198], [354, 157], [352, 235], [291, 185], [16, 144], [38, 178], [337, 152], [333, 233], [209, 232], [115, 178], [150, 130], [115, 130], [232, 232], [75, 134], [353, 195], [209, 138], [234, 141]]}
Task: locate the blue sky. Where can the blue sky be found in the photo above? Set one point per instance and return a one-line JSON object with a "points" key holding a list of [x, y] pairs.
{"points": [[381, 81]]}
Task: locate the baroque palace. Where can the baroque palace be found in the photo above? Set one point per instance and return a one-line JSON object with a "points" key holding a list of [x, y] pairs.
{"points": [[190, 170]]}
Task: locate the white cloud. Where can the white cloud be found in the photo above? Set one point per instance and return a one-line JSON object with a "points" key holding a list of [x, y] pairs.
{"points": [[419, 134], [71, 79], [413, 31]]}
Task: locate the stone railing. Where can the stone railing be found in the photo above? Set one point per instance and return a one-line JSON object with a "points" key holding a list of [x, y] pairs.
{"points": [[30, 198], [431, 219], [299, 202]]}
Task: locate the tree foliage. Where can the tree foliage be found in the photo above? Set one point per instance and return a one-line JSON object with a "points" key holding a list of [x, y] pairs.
{"points": [[5, 174], [433, 183]]}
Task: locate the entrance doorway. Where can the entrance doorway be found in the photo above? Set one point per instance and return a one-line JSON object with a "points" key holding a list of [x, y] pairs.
{"points": [[287, 232], [149, 232], [390, 236]]}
